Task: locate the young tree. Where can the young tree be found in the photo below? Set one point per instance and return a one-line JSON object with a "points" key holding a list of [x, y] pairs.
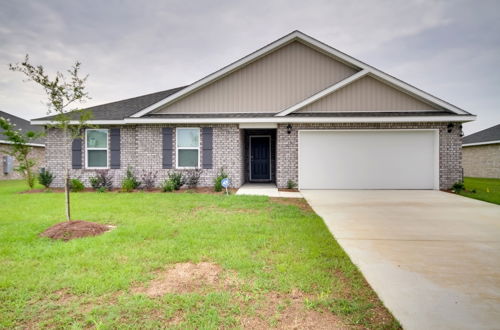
{"points": [[20, 149], [63, 93]]}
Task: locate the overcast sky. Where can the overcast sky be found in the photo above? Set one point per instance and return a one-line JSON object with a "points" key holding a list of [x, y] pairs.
{"points": [[450, 49]]}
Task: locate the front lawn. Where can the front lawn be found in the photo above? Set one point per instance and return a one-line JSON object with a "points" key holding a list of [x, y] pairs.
{"points": [[484, 189], [262, 262]]}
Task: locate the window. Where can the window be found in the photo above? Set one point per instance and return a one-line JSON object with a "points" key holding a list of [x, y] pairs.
{"points": [[188, 147], [96, 146]]}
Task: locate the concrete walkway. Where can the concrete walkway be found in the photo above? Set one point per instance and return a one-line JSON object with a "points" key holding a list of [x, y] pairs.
{"points": [[432, 257], [266, 189]]}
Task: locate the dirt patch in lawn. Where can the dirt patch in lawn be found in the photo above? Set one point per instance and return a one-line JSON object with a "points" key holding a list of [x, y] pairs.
{"points": [[299, 202], [68, 230], [185, 278], [287, 311]]}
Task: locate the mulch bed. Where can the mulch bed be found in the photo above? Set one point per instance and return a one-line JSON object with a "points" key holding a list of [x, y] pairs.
{"points": [[198, 190], [68, 230], [288, 190]]}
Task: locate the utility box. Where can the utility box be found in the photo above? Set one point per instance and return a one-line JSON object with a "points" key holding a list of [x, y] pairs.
{"points": [[7, 164]]}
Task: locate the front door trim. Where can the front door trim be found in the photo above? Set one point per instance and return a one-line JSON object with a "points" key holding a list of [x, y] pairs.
{"points": [[250, 157]]}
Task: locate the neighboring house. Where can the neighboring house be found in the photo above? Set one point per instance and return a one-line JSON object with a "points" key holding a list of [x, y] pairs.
{"points": [[9, 162], [481, 153], [296, 109]]}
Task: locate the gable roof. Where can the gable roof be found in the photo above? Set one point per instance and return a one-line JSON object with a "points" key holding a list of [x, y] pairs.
{"points": [[22, 124], [487, 136], [338, 55], [120, 110]]}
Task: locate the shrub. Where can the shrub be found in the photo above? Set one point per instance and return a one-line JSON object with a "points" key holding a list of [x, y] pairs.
{"points": [[148, 179], [192, 177], [102, 179], [101, 190], [458, 186], [45, 178], [176, 179], [218, 180], [76, 185], [130, 182], [291, 184], [167, 186]]}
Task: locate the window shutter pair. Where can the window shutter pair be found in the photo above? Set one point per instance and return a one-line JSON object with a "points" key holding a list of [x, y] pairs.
{"points": [[167, 148], [207, 148], [114, 149]]}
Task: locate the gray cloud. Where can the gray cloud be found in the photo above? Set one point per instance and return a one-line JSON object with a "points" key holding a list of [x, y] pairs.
{"points": [[448, 48]]}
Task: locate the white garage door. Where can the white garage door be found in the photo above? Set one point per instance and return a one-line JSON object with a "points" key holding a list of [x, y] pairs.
{"points": [[377, 159]]}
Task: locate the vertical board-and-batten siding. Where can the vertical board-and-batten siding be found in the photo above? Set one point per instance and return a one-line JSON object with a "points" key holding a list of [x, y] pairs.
{"points": [[370, 95], [270, 84]]}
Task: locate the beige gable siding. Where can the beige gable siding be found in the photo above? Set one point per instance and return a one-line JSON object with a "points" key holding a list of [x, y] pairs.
{"points": [[271, 84], [367, 94]]}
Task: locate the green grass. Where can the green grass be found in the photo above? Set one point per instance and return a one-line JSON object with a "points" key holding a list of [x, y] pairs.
{"points": [[270, 247], [484, 189]]}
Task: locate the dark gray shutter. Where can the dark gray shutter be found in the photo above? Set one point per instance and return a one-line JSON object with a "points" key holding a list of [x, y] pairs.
{"points": [[76, 153], [114, 135], [167, 147], [207, 138]]}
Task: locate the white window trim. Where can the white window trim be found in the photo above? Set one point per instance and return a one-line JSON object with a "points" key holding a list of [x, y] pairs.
{"points": [[177, 129], [87, 149]]}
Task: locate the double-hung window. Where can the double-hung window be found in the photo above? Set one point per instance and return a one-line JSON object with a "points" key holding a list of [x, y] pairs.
{"points": [[188, 147], [96, 146]]}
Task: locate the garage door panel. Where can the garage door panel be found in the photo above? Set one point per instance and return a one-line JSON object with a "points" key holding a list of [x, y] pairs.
{"points": [[367, 159]]}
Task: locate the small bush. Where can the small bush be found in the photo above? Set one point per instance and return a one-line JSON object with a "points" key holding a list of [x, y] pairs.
{"points": [[101, 190], [148, 179], [218, 180], [176, 179], [167, 186], [102, 179], [45, 178], [192, 178], [458, 186], [291, 184], [130, 182], [76, 185]]}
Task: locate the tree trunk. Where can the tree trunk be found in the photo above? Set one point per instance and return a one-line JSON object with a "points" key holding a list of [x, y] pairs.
{"points": [[66, 193]]}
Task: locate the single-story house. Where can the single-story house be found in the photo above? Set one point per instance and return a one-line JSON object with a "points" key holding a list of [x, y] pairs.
{"points": [[9, 163], [296, 109], [481, 153]]}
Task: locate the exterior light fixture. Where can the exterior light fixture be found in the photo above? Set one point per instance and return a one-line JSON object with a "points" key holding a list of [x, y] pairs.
{"points": [[289, 129], [450, 127]]}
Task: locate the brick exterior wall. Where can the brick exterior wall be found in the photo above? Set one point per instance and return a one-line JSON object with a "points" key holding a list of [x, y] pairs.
{"points": [[482, 161], [141, 148], [450, 162], [37, 153]]}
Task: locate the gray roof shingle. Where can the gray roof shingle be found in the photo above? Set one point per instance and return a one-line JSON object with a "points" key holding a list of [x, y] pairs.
{"points": [[21, 124], [122, 109], [486, 135]]}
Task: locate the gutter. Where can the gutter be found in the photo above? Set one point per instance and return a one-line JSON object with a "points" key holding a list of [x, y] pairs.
{"points": [[277, 120], [480, 143]]}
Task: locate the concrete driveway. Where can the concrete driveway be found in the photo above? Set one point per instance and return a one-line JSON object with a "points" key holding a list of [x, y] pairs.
{"points": [[432, 257]]}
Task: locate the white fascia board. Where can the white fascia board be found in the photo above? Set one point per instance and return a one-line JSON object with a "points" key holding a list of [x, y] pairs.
{"points": [[220, 73], [297, 35], [480, 143], [28, 144], [277, 120], [324, 93]]}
